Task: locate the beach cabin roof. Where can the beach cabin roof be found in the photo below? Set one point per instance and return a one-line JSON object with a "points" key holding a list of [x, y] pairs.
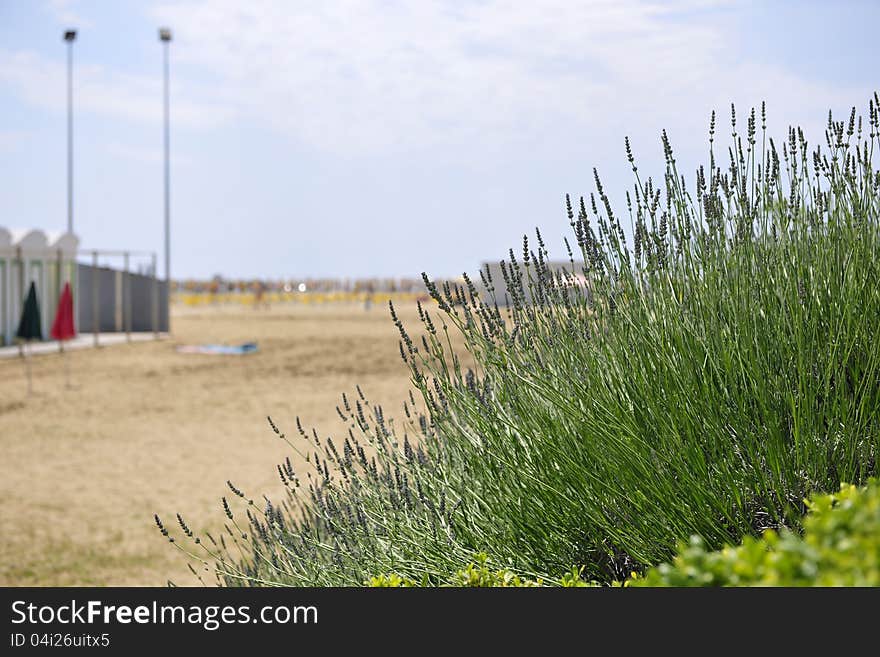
{"points": [[29, 239], [63, 241], [36, 242]]}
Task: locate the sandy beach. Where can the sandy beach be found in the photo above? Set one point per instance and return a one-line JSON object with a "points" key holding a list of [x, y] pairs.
{"points": [[146, 429]]}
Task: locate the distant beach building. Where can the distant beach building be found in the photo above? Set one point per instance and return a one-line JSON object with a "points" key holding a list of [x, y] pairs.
{"points": [[48, 259], [572, 277]]}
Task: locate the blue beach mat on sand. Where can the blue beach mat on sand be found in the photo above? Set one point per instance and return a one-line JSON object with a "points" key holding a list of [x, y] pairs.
{"points": [[219, 349]]}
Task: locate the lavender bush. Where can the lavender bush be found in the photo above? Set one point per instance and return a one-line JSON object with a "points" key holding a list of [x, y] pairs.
{"points": [[710, 358]]}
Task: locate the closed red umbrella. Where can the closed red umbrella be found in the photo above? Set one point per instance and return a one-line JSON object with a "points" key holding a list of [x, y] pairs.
{"points": [[63, 328]]}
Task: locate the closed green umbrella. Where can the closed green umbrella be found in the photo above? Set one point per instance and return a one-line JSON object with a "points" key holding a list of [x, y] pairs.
{"points": [[29, 328]]}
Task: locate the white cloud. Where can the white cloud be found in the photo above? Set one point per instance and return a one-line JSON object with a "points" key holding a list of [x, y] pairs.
{"points": [[379, 75], [65, 11], [41, 81], [144, 154], [11, 140], [140, 154], [373, 75]]}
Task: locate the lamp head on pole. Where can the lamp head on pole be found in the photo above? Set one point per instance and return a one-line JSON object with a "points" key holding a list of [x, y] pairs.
{"points": [[164, 34], [70, 35]]}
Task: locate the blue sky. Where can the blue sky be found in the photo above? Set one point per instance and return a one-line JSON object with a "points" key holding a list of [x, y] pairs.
{"points": [[388, 137]]}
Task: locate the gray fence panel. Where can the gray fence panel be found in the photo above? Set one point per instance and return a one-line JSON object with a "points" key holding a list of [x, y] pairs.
{"points": [[141, 289]]}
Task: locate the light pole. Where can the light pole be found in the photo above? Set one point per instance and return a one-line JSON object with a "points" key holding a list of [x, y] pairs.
{"points": [[70, 36], [165, 38]]}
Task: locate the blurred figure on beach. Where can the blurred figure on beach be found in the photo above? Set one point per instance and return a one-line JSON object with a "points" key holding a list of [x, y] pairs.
{"points": [[368, 299], [260, 298]]}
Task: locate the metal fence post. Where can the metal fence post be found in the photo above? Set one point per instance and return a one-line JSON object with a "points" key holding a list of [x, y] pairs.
{"points": [[59, 278], [20, 307], [126, 295], [118, 303], [95, 309], [155, 300]]}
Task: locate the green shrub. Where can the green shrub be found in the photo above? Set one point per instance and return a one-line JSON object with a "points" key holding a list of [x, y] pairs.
{"points": [[700, 378], [478, 574], [840, 547], [390, 582]]}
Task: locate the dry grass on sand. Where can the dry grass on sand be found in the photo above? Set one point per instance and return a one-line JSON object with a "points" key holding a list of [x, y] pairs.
{"points": [[147, 429]]}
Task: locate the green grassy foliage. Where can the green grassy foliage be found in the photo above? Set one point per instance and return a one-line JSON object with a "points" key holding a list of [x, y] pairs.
{"points": [[709, 358]]}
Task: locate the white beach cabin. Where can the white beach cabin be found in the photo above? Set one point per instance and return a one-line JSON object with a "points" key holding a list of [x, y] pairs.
{"points": [[47, 259]]}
